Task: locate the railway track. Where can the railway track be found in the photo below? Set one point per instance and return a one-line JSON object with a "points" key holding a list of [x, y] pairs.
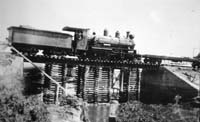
{"points": [[91, 62]]}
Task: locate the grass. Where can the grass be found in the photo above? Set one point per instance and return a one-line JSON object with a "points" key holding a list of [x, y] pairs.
{"points": [[15, 107]]}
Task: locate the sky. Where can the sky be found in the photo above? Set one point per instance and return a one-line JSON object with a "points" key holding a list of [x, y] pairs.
{"points": [[161, 27]]}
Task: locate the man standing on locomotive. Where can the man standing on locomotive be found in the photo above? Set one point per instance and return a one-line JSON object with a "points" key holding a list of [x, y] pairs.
{"points": [[77, 37]]}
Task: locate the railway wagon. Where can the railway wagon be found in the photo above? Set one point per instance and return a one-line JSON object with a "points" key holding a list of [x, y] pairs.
{"points": [[30, 40]]}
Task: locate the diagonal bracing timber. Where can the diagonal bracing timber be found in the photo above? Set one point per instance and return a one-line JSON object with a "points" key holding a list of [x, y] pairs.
{"points": [[43, 72]]}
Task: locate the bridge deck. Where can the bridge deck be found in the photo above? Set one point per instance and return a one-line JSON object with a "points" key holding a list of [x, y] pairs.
{"points": [[91, 62]]}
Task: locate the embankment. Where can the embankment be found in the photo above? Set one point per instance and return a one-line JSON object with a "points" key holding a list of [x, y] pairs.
{"points": [[161, 86]]}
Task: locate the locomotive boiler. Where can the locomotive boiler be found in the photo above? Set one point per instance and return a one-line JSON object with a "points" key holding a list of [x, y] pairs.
{"points": [[115, 43]]}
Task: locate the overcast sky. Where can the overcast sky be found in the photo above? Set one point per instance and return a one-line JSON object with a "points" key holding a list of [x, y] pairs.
{"points": [[161, 27]]}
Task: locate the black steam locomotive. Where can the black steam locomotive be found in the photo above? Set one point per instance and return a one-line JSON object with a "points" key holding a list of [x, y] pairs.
{"points": [[81, 44]]}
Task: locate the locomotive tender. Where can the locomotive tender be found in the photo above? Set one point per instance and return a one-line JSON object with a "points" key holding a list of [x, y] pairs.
{"points": [[29, 40]]}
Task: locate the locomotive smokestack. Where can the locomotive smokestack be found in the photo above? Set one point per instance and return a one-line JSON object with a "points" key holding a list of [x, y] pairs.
{"points": [[105, 32], [117, 34], [131, 36], [127, 34]]}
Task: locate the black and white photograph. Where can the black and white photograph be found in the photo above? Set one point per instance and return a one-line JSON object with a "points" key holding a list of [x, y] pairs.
{"points": [[99, 61]]}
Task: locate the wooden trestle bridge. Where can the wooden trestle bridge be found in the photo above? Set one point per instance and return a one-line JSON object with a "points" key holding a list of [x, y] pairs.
{"points": [[94, 80]]}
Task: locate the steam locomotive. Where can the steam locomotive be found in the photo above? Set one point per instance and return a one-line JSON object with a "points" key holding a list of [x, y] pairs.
{"points": [[81, 44], [101, 46]]}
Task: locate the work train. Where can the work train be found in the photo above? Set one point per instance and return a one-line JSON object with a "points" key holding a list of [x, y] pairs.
{"points": [[83, 45], [31, 41]]}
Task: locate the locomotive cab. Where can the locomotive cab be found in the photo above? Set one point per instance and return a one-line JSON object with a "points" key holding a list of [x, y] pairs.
{"points": [[80, 40]]}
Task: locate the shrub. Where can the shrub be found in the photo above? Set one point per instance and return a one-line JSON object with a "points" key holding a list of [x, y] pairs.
{"points": [[14, 107]]}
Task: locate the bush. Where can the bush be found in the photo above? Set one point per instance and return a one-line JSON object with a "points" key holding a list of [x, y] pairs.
{"points": [[139, 112], [14, 107]]}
